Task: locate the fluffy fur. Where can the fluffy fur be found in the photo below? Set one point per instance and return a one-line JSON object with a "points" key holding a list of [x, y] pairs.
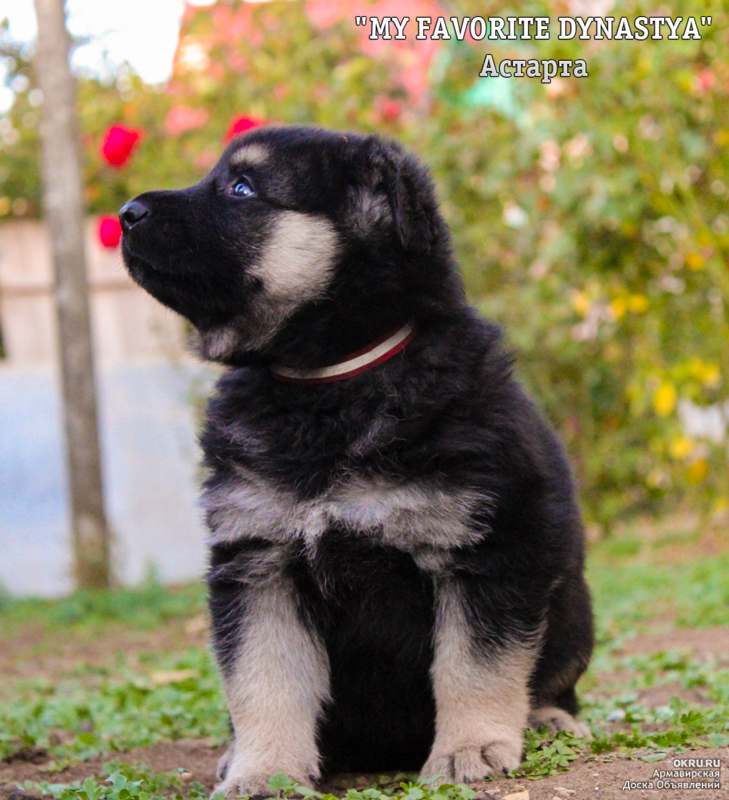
{"points": [[395, 558]]}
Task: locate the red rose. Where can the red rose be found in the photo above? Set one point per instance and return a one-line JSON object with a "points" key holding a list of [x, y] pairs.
{"points": [[118, 144], [110, 231], [241, 125]]}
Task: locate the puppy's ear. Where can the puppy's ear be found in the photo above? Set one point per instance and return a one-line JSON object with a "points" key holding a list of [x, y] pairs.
{"points": [[391, 186]]}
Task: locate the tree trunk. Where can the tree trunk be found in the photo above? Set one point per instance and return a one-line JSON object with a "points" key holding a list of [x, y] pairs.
{"points": [[64, 211]]}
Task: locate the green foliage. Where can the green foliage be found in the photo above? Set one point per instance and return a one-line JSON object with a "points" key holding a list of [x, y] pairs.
{"points": [[121, 785], [147, 606], [677, 728], [20, 182], [96, 713], [408, 790], [549, 753], [627, 594], [124, 782]]}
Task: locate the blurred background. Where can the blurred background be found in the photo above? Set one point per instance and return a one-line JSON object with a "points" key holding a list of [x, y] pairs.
{"points": [[589, 217]]}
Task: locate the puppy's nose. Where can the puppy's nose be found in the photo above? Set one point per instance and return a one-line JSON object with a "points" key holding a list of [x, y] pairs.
{"points": [[131, 213]]}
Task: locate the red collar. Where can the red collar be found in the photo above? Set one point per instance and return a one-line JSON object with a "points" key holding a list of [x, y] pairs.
{"points": [[380, 350]]}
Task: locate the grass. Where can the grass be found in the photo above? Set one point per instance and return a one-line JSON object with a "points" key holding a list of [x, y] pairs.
{"points": [[123, 782], [129, 783], [145, 608], [139, 699], [632, 588], [98, 710]]}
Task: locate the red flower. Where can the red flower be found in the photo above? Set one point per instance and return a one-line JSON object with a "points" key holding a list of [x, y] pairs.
{"points": [[118, 144], [242, 124], [389, 108], [110, 231]]}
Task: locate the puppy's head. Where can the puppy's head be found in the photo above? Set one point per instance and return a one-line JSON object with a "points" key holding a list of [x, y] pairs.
{"points": [[293, 228]]}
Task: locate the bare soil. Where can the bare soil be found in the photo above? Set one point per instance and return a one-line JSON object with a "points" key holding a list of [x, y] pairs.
{"points": [[195, 756], [37, 652], [706, 644], [601, 776]]}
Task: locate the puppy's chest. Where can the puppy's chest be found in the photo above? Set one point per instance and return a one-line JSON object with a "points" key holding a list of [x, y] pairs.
{"points": [[410, 515]]}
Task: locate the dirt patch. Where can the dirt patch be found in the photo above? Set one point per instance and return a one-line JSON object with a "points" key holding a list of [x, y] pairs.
{"points": [[615, 683], [28, 755], [709, 645], [588, 777], [37, 652], [705, 644], [196, 756], [657, 696]]}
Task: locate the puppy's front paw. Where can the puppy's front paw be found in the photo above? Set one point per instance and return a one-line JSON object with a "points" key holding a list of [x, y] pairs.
{"points": [[558, 720], [469, 764], [254, 785], [238, 785]]}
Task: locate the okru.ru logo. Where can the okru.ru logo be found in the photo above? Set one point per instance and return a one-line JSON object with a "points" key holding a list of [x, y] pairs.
{"points": [[687, 773]]}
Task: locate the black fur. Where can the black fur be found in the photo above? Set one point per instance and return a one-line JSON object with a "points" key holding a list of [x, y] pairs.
{"points": [[445, 410]]}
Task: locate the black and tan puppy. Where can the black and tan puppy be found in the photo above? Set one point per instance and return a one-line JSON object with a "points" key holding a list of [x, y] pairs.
{"points": [[396, 553]]}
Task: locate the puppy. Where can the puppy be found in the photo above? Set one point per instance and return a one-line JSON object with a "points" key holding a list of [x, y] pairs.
{"points": [[396, 553]]}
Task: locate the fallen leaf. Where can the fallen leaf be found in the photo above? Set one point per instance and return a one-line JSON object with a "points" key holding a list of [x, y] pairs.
{"points": [[162, 677]]}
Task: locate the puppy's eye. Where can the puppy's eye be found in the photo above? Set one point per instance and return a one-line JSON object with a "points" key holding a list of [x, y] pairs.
{"points": [[242, 188]]}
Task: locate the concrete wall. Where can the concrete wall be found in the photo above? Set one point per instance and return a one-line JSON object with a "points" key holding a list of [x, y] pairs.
{"points": [[148, 388]]}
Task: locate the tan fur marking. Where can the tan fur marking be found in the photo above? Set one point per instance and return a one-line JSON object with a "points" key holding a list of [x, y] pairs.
{"points": [[217, 343], [482, 705], [295, 267], [409, 516], [297, 259], [275, 695], [250, 154]]}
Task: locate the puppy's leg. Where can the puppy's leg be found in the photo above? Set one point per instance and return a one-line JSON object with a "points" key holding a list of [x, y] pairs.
{"points": [[481, 695], [564, 655], [276, 678], [224, 761]]}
